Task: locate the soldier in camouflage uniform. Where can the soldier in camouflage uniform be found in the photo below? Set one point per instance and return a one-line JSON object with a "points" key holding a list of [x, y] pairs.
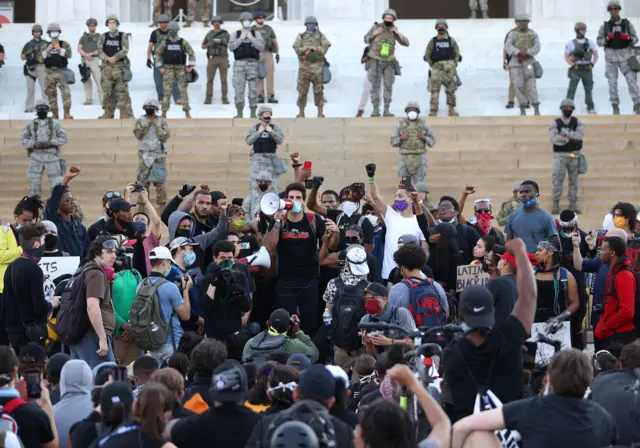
{"points": [[246, 45], [523, 45], [442, 55], [56, 59], [172, 62], [484, 6], [42, 139], [152, 132], [113, 48], [567, 134], [311, 48], [161, 7], [381, 39], [581, 54], [32, 54], [412, 136], [618, 37], [156, 39], [509, 206], [266, 57], [265, 137], [88, 49], [216, 42], [205, 12], [260, 182]]}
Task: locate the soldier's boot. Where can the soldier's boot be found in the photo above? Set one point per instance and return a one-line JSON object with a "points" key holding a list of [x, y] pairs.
{"points": [[208, 101], [320, 111], [187, 25], [55, 113], [636, 108], [386, 112], [164, 114], [485, 14], [252, 111], [574, 209], [108, 114], [225, 100], [260, 99], [153, 25], [360, 113], [523, 111], [453, 112], [474, 14], [556, 208], [187, 114], [125, 114], [376, 111], [67, 113], [272, 100], [616, 109], [433, 113], [511, 105], [239, 108], [301, 112], [536, 109], [592, 112]]}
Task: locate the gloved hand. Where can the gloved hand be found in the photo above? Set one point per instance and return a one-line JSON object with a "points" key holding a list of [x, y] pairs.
{"points": [[371, 169], [186, 190], [317, 181], [149, 63], [213, 274], [277, 58], [610, 36], [624, 36]]}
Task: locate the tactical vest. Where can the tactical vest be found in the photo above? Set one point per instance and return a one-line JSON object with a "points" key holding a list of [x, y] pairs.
{"points": [[571, 146], [442, 49], [89, 42], [265, 144], [246, 50], [36, 47], [412, 145], [55, 60], [112, 45], [617, 43], [523, 40], [161, 36], [582, 53], [174, 52], [383, 46], [219, 48], [267, 35], [36, 124], [312, 40]]}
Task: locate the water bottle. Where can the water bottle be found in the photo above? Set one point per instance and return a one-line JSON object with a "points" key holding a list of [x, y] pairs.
{"points": [[326, 318]]}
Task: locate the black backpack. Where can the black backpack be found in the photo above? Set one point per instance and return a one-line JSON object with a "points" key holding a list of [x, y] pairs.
{"points": [[72, 320], [614, 294], [346, 311], [313, 414]]}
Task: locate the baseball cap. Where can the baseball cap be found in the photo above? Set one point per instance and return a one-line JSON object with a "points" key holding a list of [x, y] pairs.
{"points": [[476, 307], [512, 260], [217, 195], [339, 374], [299, 361], [35, 352], [408, 238], [160, 253], [421, 187], [317, 381], [119, 205], [357, 258], [56, 363], [230, 382], [377, 289], [279, 320], [51, 227], [182, 241], [114, 393]]}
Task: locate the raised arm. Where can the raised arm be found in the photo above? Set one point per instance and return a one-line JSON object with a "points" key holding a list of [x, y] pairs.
{"points": [[525, 307], [378, 203], [312, 200]]}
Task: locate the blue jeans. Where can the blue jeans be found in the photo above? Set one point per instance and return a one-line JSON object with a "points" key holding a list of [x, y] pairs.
{"points": [[86, 350], [157, 79], [163, 353]]}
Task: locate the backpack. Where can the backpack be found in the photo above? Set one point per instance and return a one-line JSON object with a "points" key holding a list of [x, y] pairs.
{"points": [[7, 422], [313, 414], [636, 309], [346, 311], [423, 304], [72, 320], [264, 344], [149, 330]]}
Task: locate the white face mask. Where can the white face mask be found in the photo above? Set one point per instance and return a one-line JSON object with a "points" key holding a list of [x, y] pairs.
{"points": [[54, 34], [412, 115], [373, 219], [113, 28], [246, 24], [350, 207]]}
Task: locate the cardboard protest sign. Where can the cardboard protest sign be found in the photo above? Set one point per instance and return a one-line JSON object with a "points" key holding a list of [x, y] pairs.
{"points": [[55, 267], [469, 275], [545, 351]]}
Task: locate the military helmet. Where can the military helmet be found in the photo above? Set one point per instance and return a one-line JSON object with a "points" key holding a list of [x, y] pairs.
{"points": [[174, 26], [580, 26], [92, 21], [246, 16], [193, 76], [412, 105], [567, 103], [217, 19], [35, 28], [441, 22], [264, 108], [614, 3], [259, 14], [310, 20], [112, 17], [54, 27], [42, 103], [163, 18], [390, 12], [523, 17], [152, 102]]}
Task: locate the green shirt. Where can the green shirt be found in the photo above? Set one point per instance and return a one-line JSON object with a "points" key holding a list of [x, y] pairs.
{"points": [[269, 37], [89, 42]]}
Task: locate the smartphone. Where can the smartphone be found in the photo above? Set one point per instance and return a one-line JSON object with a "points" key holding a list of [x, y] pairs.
{"points": [[120, 374], [137, 188], [33, 379], [307, 165], [406, 183]]}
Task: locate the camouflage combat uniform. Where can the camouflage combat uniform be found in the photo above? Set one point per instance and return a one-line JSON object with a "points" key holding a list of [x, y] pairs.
{"points": [[34, 53], [442, 55], [245, 68], [521, 70], [152, 155], [217, 44], [115, 45], [160, 7], [55, 62], [311, 66], [566, 157], [172, 56], [484, 6], [251, 203], [412, 158], [506, 209], [205, 11], [266, 57]]}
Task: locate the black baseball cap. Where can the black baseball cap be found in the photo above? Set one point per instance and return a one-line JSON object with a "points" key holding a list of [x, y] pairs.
{"points": [[476, 307], [230, 382], [56, 363], [317, 381], [279, 320], [119, 205], [377, 289], [116, 392], [259, 14], [217, 195], [299, 361]]}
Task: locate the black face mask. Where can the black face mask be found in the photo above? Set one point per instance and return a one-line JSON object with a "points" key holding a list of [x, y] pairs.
{"points": [[567, 113], [263, 187], [42, 114], [389, 24], [50, 242], [441, 31], [150, 111], [183, 232], [266, 119]]}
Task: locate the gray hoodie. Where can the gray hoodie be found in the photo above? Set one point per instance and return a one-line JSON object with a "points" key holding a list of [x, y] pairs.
{"points": [[206, 239], [76, 382]]}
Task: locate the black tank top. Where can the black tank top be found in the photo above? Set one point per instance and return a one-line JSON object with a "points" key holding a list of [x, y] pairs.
{"points": [[552, 298]]}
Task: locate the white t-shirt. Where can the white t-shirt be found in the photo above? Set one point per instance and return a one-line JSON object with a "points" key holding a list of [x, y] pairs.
{"points": [[397, 225]]}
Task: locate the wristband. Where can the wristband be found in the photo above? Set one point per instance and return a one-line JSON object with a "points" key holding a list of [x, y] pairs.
{"points": [[372, 180], [296, 165]]}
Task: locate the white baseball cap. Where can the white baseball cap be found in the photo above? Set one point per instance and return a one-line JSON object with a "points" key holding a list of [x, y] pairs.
{"points": [[160, 253], [357, 258]]}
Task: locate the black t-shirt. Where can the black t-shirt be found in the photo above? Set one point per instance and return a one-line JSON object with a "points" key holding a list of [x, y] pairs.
{"points": [[129, 435], [154, 35], [298, 250], [34, 427], [505, 293], [250, 246], [85, 432], [343, 222], [502, 349], [552, 421], [396, 277]]}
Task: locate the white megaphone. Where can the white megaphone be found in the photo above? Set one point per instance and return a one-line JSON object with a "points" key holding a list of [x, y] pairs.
{"points": [[260, 258], [270, 203]]}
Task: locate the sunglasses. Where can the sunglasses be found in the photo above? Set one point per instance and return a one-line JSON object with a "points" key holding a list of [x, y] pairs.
{"points": [[352, 239]]}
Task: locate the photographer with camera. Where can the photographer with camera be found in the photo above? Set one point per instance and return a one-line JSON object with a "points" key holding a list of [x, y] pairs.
{"points": [[225, 299], [184, 265]]}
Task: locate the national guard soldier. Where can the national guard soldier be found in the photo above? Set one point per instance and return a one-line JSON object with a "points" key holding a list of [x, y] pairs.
{"points": [[381, 39], [523, 45], [311, 48], [42, 139], [205, 12], [172, 62], [484, 6], [442, 55], [264, 137], [216, 42], [412, 136], [32, 55], [246, 45], [618, 37], [155, 40], [152, 131], [581, 54], [56, 59], [266, 56], [567, 134], [113, 48], [88, 49], [161, 8]]}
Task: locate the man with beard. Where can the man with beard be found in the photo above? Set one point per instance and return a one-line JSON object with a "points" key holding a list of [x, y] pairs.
{"points": [[202, 206]]}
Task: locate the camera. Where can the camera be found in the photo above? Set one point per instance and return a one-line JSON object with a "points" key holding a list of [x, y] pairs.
{"points": [[137, 188], [178, 280], [124, 259]]}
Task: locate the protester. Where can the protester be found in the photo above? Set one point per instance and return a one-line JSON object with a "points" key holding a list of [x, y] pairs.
{"points": [[184, 257], [481, 220], [75, 402], [482, 248], [202, 204], [174, 381], [364, 370], [205, 358], [504, 288], [53, 371], [466, 236], [331, 257], [51, 241], [396, 276], [149, 225], [446, 254], [98, 227], [143, 368]]}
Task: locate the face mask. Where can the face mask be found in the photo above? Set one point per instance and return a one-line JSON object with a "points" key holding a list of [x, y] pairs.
{"points": [[373, 307], [142, 227], [311, 28], [113, 28], [183, 232], [237, 224], [54, 35], [35, 253], [189, 258], [530, 203], [173, 33], [373, 219], [18, 226], [567, 112], [619, 222], [400, 205], [50, 242], [297, 207], [350, 207], [226, 265], [42, 114], [484, 223], [150, 111], [266, 119], [167, 272], [388, 23], [246, 24], [441, 30], [523, 26], [263, 187], [412, 115]]}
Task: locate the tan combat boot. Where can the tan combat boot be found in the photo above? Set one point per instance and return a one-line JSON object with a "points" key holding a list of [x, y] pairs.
{"points": [[360, 113], [153, 25], [452, 111], [433, 113], [164, 114], [67, 113], [108, 114], [187, 114], [301, 112], [55, 113], [320, 111]]}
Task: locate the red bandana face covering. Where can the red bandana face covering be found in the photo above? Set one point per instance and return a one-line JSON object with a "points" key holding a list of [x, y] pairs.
{"points": [[484, 223]]}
